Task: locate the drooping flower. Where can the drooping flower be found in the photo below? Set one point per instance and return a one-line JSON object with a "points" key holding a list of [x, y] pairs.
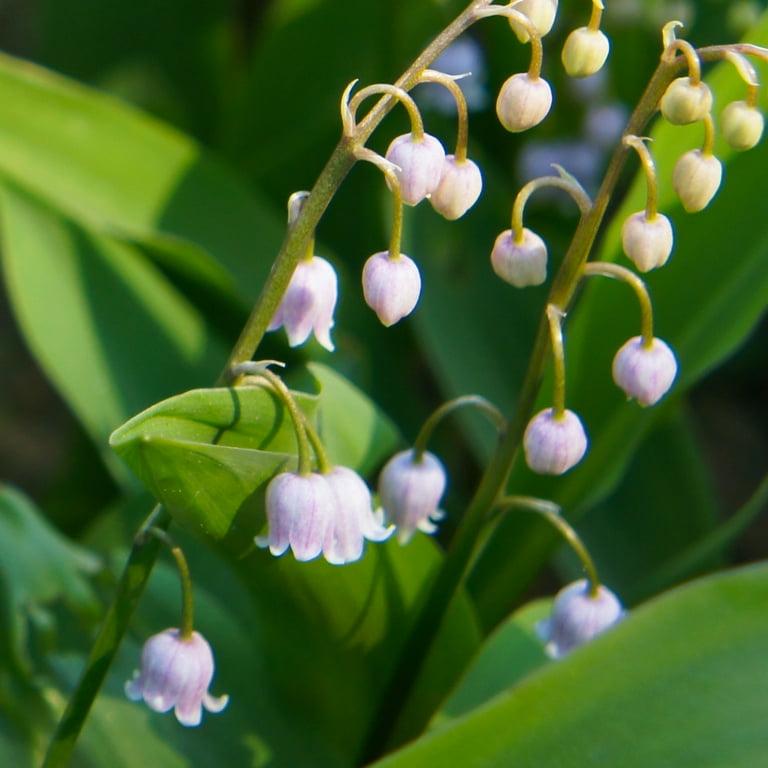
{"points": [[175, 674], [577, 617], [410, 491], [647, 241], [742, 125], [308, 303], [696, 179], [520, 264], [420, 162], [459, 188], [686, 102], [585, 52], [541, 14], [300, 510], [391, 286], [353, 520], [523, 102], [645, 372], [554, 444]]}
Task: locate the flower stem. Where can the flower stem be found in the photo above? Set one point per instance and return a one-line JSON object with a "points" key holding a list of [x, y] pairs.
{"points": [[555, 320]]}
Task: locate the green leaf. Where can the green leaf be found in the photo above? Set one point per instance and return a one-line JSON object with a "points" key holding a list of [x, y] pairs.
{"points": [[206, 452], [680, 682], [38, 566], [105, 324]]}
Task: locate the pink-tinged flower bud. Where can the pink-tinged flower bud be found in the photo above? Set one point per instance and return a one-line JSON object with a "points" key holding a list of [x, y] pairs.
{"points": [[523, 102], [553, 444], [683, 102], [353, 520], [741, 125], [421, 165], [410, 491], [645, 372], [308, 303], [696, 179], [391, 286], [300, 509], [541, 14], [585, 52], [520, 264], [647, 242], [459, 188], [577, 617], [175, 674]]}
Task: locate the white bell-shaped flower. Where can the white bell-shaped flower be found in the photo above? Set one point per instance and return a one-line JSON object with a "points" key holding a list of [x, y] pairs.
{"points": [[645, 372], [742, 125], [541, 14], [410, 491], [308, 303], [459, 188], [520, 264], [696, 179], [175, 674], [647, 242], [577, 617], [685, 102], [419, 163], [391, 286], [585, 52], [523, 102], [554, 444]]}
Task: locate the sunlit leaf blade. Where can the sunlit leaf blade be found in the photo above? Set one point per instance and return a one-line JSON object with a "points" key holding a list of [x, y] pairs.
{"points": [[680, 682], [38, 566]]}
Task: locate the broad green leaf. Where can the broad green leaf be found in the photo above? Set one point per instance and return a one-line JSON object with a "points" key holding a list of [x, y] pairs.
{"points": [[108, 328], [107, 165], [680, 682], [204, 454], [38, 566]]}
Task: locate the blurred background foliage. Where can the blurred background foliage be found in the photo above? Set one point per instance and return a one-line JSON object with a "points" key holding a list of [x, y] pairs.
{"points": [[138, 226]]}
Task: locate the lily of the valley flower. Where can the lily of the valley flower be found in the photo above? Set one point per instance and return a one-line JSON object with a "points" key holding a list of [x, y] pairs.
{"points": [[410, 490], [175, 674], [308, 303], [554, 443], [391, 286], [578, 616]]}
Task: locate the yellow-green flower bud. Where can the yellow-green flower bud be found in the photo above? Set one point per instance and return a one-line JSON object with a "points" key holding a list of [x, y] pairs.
{"points": [[742, 125], [696, 179], [685, 102], [585, 52]]}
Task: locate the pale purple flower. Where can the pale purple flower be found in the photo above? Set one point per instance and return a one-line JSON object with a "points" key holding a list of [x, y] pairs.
{"points": [[554, 444], [645, 372], [308, 303], [523, 102], [577, 617], [300, 510], [459, 188], [420, 163], [410, 491], [175, 674], [647, 242], [391, 286], [353, 519], [520, 264]]}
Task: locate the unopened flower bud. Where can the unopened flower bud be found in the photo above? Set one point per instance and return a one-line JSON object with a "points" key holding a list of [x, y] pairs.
{"points": [[520, 264], [645, 372], [577, 617], [585, 52], [391, 286], [647, 241], [696, 179], [741, 125], [685, 102], [541, 14], [308, 303], [421, 165], [523, 102], [300, 509], [554, 444], [175, 674], [410, 491], [459, 188]]}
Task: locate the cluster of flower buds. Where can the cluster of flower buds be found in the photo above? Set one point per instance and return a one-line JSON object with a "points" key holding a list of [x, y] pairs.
{"points": [[578, 616]]}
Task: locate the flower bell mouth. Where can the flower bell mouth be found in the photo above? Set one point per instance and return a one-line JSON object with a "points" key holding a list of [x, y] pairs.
{"points": [[175, 674]]}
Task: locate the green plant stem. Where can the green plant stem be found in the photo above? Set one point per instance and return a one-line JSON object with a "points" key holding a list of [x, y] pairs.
{"points": [[449, 578], [129, 590]]}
